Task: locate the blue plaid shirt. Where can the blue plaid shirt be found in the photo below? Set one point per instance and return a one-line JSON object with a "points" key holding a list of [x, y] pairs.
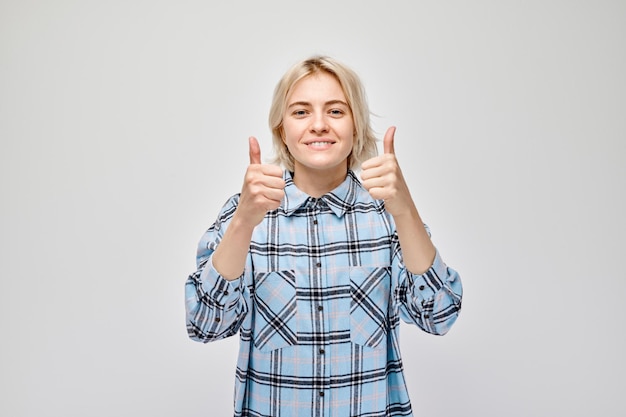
{"points": [[318, 306]]}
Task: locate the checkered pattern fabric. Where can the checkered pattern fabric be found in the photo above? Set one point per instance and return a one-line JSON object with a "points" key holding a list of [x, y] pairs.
{"points": [[318, 306]]}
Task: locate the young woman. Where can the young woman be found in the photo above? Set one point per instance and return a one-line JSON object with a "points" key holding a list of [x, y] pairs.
{"points": [[314, 268]]}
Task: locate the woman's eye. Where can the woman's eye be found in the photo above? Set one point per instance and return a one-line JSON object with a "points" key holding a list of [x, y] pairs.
{"points": [[299, 113], [336, 112]]}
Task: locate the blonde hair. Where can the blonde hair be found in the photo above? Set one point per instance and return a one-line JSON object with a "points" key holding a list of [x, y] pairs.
{"points": [[364, 146]]}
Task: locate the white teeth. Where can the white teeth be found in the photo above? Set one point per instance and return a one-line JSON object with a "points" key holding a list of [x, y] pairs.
{"points": [[319, 143]]}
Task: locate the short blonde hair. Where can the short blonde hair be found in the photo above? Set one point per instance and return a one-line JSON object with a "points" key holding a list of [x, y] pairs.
{"points": [[364, 146]]}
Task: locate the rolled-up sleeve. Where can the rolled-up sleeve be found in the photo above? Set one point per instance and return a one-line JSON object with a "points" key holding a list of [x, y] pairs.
{"points": [[215, 307], [431, 300]]}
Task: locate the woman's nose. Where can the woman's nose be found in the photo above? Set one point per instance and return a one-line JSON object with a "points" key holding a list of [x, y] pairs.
{"points": [[319, 124]]}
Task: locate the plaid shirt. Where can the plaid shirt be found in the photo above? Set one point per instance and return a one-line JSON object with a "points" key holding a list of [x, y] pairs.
{"points": [[318, 306]]}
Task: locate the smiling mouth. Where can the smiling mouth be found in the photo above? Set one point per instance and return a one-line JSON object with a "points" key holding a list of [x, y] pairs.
{"points": [[320, 143]]}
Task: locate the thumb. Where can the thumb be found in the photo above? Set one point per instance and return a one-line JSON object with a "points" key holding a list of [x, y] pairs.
{"points": [[255, 151], [388, 140]]}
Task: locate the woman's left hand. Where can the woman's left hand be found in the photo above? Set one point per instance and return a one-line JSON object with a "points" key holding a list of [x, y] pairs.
{"points": [[382, 178]]}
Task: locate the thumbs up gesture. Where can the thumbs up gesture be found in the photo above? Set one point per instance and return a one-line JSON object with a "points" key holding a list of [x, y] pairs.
{"points": [[262, 190], [382, 178]]}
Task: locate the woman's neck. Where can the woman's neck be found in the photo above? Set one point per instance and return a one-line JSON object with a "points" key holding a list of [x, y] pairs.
{"points": [[316, 183]]}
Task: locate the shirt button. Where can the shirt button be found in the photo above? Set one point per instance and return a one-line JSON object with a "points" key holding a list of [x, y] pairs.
{"points": [[421, 288], [320, 308], [319, 264], [217, 319], [322, 351], [315, 221], [321, 393], [225, 292]]}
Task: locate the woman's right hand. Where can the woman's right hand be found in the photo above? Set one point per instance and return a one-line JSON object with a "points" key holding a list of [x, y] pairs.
{"points": [[263, 188]]}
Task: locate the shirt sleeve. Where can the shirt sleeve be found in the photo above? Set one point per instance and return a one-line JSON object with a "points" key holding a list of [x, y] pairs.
{"points": [[431, 300], [215, 307]]}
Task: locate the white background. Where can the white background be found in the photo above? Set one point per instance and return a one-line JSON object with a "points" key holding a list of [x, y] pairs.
{"points": [[124, 127]]}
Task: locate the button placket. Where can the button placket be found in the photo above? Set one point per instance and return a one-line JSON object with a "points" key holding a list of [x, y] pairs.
{"points": [[316, 212], [316, 264]]}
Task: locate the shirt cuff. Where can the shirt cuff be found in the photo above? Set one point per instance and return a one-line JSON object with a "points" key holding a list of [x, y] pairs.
{"points": [[222, 291], [424, 286]]}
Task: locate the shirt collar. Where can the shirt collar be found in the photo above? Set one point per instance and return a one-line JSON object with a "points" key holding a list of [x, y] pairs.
{"points": [[338, 200]]}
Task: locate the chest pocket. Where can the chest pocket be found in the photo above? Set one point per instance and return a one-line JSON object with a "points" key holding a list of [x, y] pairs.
{"points": [[369, 288], [275, 306]]}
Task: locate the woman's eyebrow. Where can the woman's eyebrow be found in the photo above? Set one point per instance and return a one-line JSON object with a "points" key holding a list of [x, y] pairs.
{"points": [[328, 103], [299, 103], [333, 102]]}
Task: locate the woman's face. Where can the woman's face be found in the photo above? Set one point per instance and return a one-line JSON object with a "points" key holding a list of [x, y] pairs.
{"points": [[317, 126]]}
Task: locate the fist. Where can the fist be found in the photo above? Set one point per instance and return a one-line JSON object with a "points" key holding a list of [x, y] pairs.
{"points": [[263, 187], [382, 178]]}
